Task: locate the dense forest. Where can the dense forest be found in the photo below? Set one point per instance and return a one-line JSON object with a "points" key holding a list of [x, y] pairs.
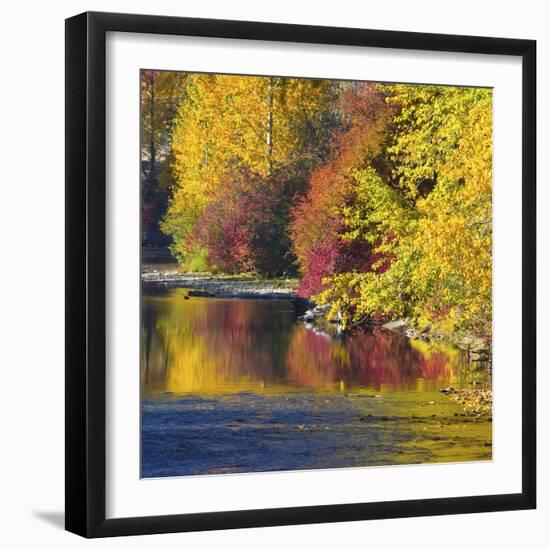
{"points": [[376, 197]]}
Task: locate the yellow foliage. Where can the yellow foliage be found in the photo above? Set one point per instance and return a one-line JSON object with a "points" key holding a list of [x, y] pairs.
{"points": [[435, 230], [229, 122]]}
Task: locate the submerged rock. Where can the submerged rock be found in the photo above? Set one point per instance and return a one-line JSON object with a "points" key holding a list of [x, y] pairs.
{"points": [[200, 294]]}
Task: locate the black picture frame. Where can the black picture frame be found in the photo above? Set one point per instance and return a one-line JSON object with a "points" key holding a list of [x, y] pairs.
{"points": [[86, 274]]}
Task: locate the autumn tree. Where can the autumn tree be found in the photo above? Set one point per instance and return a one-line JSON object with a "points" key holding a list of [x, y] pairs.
{"points": [[431, 220], [230, 123], [318, 219], [378, 196]]}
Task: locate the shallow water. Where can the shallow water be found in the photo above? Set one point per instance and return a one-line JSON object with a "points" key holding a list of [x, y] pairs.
{"points": [[238, 385]]}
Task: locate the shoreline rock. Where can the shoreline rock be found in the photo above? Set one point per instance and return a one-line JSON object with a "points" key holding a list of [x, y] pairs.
{"points": [[477, 348], [474, 402]]}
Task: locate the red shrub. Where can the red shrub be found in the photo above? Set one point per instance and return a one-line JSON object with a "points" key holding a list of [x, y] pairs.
{"points": [[316, 222], [245, 226]]}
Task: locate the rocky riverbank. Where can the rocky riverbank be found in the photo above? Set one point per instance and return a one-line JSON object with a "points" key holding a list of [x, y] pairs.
{"points": [[478, 349], [220, 286], [474, 402]]}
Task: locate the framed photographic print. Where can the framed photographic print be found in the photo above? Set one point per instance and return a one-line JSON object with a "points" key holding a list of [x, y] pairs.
{"points": [[300, 274]]}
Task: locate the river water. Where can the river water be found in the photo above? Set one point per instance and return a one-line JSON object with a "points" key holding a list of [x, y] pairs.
{"points": [[239, 385]]}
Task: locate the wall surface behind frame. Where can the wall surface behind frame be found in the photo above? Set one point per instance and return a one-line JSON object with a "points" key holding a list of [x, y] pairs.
{"points": [[32, 231]]}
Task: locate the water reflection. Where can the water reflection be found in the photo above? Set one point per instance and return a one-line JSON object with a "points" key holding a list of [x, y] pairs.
{"points": [[210, 345]]}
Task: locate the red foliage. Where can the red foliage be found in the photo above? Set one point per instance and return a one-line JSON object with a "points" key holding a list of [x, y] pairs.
{"points": [[321, 262], [333, 256], [316, 224], [149, 77], [225, 226], [244, 227]]}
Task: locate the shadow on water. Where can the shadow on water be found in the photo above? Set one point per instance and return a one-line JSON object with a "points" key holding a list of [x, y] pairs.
{"points": [[233, 385]]}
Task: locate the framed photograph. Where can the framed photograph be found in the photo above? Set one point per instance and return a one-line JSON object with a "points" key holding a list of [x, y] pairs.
{"points": [[300, 274]]}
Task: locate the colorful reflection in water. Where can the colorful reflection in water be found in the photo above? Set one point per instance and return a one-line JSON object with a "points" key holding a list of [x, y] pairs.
{"points": [[211, 345], [240, 386]]}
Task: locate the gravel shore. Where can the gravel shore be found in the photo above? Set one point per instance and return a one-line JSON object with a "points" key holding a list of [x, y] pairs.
{"points": [[226, 287]]}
